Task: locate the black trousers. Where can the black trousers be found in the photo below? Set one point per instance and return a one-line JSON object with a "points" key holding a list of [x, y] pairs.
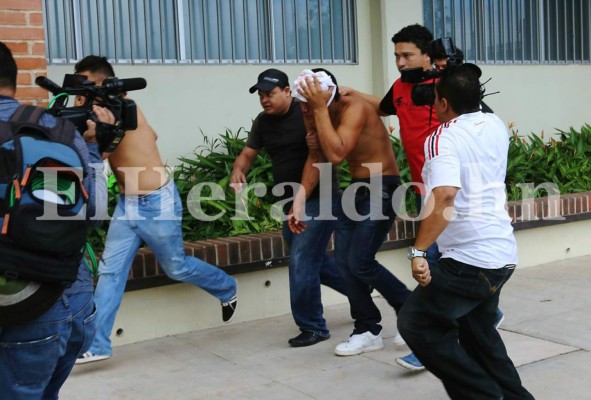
{"points": [[448, 324]]}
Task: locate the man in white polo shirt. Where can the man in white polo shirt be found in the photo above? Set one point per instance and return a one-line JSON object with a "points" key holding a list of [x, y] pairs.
{"points": [[448, 321]]}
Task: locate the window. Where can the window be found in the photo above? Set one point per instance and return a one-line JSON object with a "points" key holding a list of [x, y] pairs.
{"points": [[202, 31], [514, 31]]}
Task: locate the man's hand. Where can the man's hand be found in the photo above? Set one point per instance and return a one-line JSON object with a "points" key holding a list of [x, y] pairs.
{"points": [[105, 116], [420, 270], [312, 140], [296, 214], [237, 181], [314, 94]]}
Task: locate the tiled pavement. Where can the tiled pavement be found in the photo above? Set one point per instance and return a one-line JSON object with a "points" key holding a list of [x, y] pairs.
{"points": [[547, 331]]}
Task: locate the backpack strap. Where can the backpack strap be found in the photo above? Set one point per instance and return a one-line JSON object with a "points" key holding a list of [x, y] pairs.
{"points": [[28, 116], [27, 113]]}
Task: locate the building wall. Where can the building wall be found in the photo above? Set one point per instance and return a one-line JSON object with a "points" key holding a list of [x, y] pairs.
{"points": [[181, 101], [21, 29]]}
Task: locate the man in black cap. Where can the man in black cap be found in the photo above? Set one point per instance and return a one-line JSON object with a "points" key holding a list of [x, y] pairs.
{"points": [[281, 131]]}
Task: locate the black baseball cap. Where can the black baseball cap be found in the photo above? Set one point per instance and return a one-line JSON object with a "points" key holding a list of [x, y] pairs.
{"points": [[269, 79]]}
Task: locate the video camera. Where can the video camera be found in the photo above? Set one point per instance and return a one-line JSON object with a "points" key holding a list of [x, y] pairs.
{"points": [[424, 93], [110, 95]]}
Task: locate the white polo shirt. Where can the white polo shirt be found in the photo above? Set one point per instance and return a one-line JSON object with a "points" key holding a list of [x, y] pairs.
{"points": [[470, 153]]}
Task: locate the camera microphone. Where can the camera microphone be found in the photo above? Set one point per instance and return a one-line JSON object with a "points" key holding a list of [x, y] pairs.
{"points": [[48, 85], [125, 85]]}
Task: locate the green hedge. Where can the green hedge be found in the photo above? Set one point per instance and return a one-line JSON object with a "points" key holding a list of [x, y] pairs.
{"points": [[564, 161]]}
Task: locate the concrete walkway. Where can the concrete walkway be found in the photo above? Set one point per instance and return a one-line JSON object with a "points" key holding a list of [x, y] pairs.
{"points": [[547, 331]]}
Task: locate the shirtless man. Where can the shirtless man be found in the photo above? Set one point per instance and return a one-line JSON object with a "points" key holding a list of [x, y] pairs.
{"points": [[348, 127], [146, 189]]}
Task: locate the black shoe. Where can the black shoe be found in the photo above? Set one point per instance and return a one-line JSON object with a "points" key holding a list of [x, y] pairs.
{"points": [[228, 309], [306, 339]]}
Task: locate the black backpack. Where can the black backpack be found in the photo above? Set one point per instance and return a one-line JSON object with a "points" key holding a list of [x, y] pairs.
{"points": [[42, 200]]}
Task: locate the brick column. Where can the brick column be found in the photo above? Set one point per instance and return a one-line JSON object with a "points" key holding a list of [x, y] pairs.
{"points": [[21, 29]]}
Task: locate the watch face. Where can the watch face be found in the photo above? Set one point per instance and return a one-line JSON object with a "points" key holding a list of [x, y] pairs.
{"points": [[409, 253]]}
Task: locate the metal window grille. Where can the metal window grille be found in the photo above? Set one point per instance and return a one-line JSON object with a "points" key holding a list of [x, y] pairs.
{"points": [[202, 31], [514, 31]]}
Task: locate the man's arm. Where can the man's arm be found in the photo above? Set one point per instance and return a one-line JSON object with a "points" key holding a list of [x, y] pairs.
{"points": [[242, 165], [310, 177], [439, 209]]}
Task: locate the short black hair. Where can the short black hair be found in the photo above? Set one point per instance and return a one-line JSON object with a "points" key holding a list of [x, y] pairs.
{"points": [[417, 34], [8, 69], [95, 64], [460, 85], [337, 95]]}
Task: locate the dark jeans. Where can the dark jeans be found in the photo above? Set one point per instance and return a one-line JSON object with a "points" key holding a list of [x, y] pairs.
{"points": [[356, 245], [449, 325], [310, 266]]}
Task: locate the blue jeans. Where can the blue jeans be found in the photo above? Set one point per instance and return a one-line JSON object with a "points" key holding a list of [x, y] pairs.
{"points": [[449, 325], [37, 357], [356, 245], [310, 266], [160, 229]]}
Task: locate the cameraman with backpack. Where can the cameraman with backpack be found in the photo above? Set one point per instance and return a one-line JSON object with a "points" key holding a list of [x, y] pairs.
{"points": [[44, 327]]}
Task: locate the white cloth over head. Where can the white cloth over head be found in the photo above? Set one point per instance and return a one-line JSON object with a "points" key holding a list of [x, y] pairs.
{"points": [[323, 78]]}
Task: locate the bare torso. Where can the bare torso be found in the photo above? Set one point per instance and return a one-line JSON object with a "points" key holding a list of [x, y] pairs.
{"points": [[373, 145], [136, 161]]}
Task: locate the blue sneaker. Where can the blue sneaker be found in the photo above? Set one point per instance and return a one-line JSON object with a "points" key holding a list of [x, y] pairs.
{"points": [[500, 318], [411, 362]]}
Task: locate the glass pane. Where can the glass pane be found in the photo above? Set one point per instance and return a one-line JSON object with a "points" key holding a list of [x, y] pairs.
{"points": [[138, 31], [302, 25], [252, 31], [57, 29], [325, 18], [89, 27], [211, 31], [278, 45], [314, 21], [167, 27], [239, 31], [106, 22], [225, 30], [122, 29], [338, 42], [197, 29], [289, 19]]}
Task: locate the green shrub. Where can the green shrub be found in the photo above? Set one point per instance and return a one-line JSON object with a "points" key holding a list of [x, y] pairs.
{"points": [[213, 162], [564, 162]]}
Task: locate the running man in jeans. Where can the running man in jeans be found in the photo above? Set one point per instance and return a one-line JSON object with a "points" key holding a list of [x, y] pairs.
{"points": [[350, 128], [149, 210]]}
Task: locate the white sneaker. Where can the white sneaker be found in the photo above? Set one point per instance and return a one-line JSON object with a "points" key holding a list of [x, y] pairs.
{"points": [[399, 341], [358, 344], [89, 357]]}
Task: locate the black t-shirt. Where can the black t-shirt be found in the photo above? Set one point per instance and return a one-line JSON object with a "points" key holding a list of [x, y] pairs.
{"points": [[284, 138]]}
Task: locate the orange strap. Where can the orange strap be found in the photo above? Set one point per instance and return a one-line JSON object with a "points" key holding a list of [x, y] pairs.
{"points": [[17, 189], [26, 176], [5, 224]]}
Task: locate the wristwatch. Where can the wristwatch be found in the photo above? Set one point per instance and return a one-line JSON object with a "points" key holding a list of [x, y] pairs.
{"points": [[413, 252]]}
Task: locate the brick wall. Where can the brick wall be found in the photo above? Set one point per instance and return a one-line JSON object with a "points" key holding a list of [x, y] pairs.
{"points": [[21, 29]]}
